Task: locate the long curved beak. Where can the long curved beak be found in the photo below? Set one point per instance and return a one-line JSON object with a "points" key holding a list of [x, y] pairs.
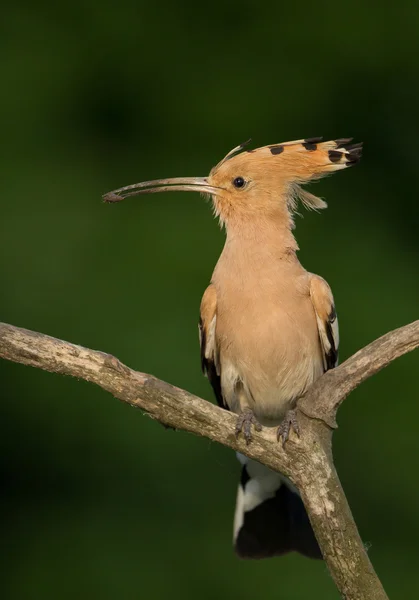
{"points": [[175, 184]]}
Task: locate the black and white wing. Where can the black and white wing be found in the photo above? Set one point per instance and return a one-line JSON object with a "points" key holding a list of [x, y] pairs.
{"points": [[210, 362], [327, 322]]}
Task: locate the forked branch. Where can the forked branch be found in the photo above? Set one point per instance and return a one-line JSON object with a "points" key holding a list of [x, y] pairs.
{"points": [[307, 461]]}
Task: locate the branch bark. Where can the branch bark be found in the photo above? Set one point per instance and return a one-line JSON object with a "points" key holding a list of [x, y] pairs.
{"points": [[328, 392], [307, 461]]}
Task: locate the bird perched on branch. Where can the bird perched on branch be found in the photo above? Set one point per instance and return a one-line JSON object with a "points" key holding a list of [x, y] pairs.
{"points": [[268, 328]]}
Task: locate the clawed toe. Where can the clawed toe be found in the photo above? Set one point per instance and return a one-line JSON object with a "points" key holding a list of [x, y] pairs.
{"points": [[283, 431], [245, 420]]}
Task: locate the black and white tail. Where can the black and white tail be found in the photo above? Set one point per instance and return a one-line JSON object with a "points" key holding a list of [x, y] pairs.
{"points": [[270, 517]]}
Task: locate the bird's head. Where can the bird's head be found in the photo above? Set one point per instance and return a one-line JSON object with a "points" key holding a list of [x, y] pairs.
{"points": [[264, 181]]}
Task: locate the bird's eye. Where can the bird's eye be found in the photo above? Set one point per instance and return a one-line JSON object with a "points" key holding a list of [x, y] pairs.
{"points": [[238, 182]]}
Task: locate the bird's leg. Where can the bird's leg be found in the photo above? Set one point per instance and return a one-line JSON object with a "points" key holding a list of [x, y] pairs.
{"points": [[290, 420], [245, 420]]}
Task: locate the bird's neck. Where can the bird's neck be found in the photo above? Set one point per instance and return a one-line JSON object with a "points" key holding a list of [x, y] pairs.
{"points": [[262, 250], [262, 236]]}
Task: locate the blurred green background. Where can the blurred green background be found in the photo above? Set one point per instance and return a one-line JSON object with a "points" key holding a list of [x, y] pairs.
{"points": [[98, 500]]}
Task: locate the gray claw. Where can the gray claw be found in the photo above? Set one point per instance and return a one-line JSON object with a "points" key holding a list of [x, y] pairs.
{"points": [[283, 431], [245, 420]]}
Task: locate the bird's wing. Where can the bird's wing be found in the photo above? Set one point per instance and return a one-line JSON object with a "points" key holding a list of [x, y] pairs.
{"points": [[327, 322], [210, 362]]}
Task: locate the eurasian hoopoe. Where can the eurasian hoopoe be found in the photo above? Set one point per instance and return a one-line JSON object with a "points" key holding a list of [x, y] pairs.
{"points": [[268, 328]]}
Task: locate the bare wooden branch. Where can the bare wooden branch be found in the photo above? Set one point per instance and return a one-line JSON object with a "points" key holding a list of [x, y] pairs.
{"points": [[307, 461], [328, 392]]}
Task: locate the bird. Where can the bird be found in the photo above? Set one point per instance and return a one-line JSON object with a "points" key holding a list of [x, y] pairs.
{"points": [[268, 328]]}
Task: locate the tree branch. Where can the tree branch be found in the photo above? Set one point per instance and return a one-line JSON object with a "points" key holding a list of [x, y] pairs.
{"points": [[327, 393], [307, 461]]}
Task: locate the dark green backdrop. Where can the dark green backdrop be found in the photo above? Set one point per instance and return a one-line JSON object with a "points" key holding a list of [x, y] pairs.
{"points": [[98, 500]]}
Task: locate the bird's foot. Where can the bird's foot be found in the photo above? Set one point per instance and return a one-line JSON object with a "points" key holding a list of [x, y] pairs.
{"points": [[245, 420], [283, 431]]}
